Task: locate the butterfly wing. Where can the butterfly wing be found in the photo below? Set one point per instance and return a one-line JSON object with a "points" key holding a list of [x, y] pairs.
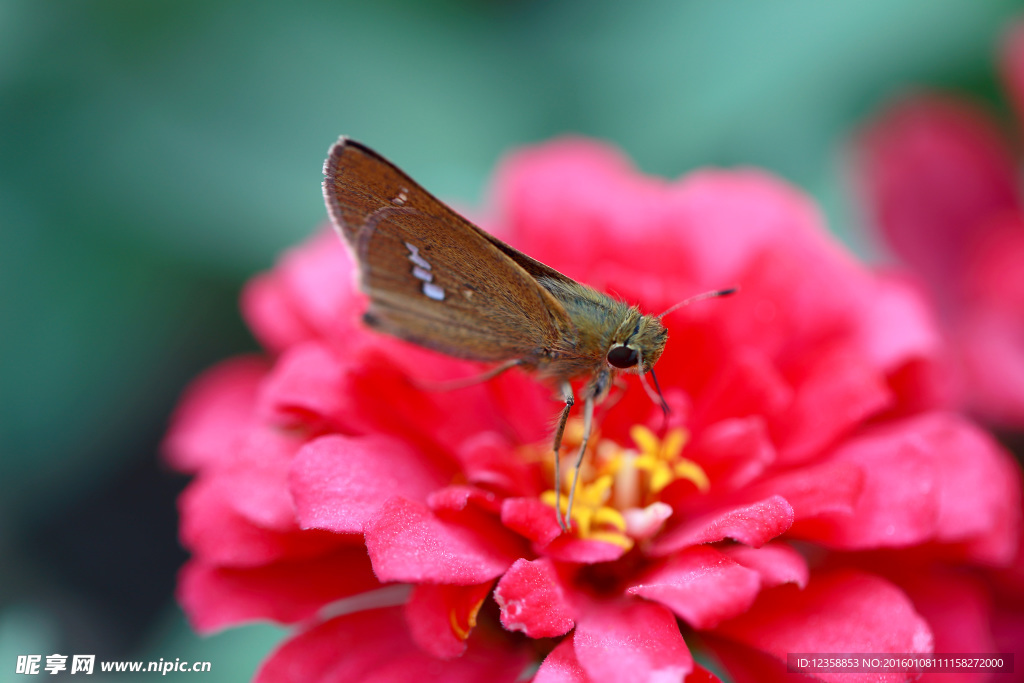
{"points": [[432, 277]]}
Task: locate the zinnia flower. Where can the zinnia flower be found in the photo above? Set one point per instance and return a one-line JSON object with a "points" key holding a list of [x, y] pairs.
{"points": [[806, 479], [941, 181]]}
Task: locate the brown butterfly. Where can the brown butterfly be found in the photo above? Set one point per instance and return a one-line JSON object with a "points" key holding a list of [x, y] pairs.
{"points": [[437, 280]]}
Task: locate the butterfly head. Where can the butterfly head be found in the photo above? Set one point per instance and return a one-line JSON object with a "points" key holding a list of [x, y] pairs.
{"points": [[640, 348]]}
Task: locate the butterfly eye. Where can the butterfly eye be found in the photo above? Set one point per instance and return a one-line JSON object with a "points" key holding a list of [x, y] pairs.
{"points": [[622, 356]]}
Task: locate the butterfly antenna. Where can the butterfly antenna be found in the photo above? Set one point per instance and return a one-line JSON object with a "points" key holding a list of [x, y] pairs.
{"points": [[700, 297]]}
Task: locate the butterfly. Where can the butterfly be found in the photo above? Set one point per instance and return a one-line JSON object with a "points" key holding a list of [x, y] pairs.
{"points": [[436, 280]]}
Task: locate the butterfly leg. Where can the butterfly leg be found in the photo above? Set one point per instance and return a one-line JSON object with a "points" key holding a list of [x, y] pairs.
{"points": [[453, 384], [588, 420], [569, 401]]}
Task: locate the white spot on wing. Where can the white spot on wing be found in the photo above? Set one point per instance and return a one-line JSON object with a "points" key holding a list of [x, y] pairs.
{"points": [[414, 256], [421, 274], [433, 291]]}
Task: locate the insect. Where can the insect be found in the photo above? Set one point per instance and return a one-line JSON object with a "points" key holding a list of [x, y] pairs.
{"points": [[437, 280]]}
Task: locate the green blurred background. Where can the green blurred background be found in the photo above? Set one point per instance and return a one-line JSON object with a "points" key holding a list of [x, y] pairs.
{"points": [[153, 155]]}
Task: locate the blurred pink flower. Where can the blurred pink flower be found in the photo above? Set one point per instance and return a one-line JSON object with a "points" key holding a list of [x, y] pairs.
{"points": [[942, 183], [804, 410]]}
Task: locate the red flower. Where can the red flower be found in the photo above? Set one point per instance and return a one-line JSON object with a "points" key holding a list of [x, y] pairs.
{"points": [[410, 534], [942, 183]]}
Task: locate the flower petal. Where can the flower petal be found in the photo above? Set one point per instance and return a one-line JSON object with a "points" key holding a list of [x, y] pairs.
{"points": [[340, 482], [702, 675], [744, 384], [733, 452], [701, 585], [255, 482], [488, 460], [993, 363], [304, 390], [958, 609], [457, 497], [533, 601], [531, 518], [813, 491], [441, 617], [407, 542], [623, 642], [213, 413], [373, 646], [567, 548], [287, 592], [946, 482], [836, 389], [310, 293], [753, 524], [218, 534], [776, 563], [935, 169], [561, 666], [850, 612]]}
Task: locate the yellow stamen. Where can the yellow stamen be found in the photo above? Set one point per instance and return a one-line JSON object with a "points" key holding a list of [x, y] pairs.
{"points": [[592, 518], [691, 471], [615, 480], [662, 459]]}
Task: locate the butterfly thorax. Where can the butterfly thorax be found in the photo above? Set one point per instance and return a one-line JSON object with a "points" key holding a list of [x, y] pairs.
{"points": [[601, 324]]}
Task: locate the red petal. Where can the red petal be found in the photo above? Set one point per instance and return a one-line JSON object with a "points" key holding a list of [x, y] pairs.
{"points": [[219, 535], [440, 617], [305, 389], [270, 314], [702, 675], [896, 323], [701, 585], [531, 518], [407, 542], [746, 665], [255, 483], [373, 646], [836, 389], [993, 364], [753, 524], [455, 498], [898, 505], [776, 563], [488, 460], [624, 642], [340, 482], [973, 473], [287, 592], [933, 477], [561, 666], [816, 490], [935, 169], [310, 293], [568, 548], [958, 609], [213, 413], [533, 601], [842, 611], [746, 383], [733, 452]]}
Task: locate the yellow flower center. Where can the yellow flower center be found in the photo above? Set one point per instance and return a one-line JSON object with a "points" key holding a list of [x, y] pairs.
{"points": [[618, 489]]}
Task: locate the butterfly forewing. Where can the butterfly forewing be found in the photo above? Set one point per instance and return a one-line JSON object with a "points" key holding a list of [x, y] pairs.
{"points": [[432, 277]]}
